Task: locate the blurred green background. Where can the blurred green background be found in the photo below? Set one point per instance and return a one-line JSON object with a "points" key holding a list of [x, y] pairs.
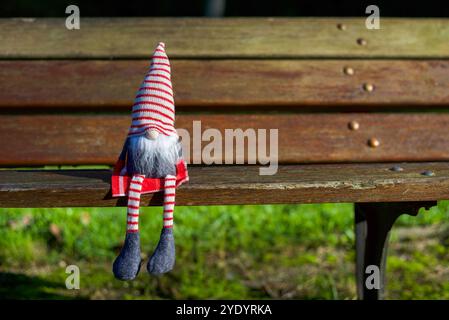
{"points": [[229, 252]]}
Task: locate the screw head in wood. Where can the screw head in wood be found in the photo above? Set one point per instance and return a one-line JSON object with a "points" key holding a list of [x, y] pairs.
{"points": [[368, 87], [348, 70], [428, 173], [341, 26], [361, 42], [396, 168], [373, 143], [353, 125]]}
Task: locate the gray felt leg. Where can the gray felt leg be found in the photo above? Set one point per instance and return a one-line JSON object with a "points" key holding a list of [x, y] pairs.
{"points": [[127, 264], [163, 258]]}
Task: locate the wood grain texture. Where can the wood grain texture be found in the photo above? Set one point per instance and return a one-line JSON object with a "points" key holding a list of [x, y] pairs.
{"points": [[236, 185], [302, 138], [223, 38], [229, 84]]}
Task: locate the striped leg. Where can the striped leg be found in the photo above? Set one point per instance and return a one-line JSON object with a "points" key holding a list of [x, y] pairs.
{"points": [[169, 200], [127, 265], [163, 258], [135, 189]]}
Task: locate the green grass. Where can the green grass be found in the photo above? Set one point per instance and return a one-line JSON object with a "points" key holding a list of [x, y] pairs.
{"points": [[229, 252]]}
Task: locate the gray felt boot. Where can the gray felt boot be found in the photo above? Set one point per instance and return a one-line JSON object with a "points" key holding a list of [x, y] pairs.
{"points": [[127, 264], [163, 258]]}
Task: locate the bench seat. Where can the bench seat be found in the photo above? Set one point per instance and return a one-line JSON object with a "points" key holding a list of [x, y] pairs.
{"points": [[217, 185]]}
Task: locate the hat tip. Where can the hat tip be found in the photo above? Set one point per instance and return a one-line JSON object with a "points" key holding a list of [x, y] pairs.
{"points": [[161, 44]]}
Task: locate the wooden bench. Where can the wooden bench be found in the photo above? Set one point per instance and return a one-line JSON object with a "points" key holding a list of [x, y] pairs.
{"points": [[359, 112]]}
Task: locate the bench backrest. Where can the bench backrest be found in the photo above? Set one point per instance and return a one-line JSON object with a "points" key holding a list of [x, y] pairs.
{"points": [[335, 90]]}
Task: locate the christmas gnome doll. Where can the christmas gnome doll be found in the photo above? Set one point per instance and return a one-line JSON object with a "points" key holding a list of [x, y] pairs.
{"points": [[151, 161]]}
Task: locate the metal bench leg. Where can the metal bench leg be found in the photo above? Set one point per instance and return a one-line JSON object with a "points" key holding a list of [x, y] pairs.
{"points": [[373, 222]]}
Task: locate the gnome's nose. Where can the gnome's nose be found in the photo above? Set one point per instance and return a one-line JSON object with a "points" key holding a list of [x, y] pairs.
{"points": [[152, 134]]}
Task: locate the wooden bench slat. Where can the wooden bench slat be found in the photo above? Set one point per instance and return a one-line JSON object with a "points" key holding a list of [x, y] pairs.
{"points": [[303, 138], [223, 38], [221, 84], [237, 185]]}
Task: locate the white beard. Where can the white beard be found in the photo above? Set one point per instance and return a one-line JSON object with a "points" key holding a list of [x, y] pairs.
{"points": [[154, 158]]}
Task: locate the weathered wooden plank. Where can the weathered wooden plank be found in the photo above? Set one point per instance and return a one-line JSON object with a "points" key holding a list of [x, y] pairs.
{"points": [[237, 185], [224, 38], [222, 84], [302, 138]]}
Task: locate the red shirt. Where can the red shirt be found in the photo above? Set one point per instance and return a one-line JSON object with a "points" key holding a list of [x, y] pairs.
{"points": [[121, 179]]}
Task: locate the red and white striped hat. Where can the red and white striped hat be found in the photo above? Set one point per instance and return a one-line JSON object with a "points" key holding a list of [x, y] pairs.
{"points": [[154, 107]]}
